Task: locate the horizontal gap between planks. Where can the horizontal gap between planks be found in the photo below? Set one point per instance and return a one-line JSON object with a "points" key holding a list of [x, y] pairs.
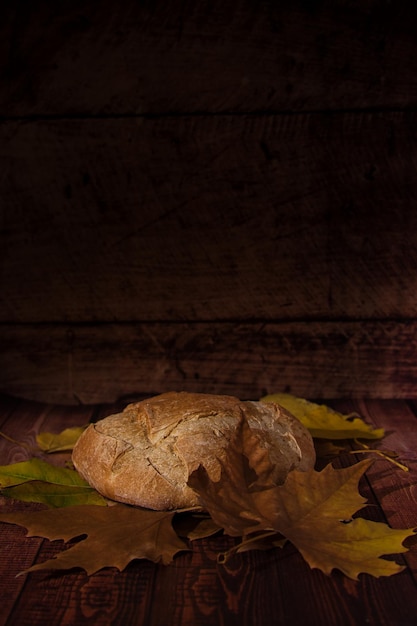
{"points": [[234, 321], [181, 114]]}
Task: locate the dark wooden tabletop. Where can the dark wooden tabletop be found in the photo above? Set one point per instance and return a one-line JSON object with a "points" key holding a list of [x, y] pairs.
{"points": [[257, 587]]}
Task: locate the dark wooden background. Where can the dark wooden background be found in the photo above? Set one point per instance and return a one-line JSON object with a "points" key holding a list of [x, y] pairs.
{"points": [[211, 196]]}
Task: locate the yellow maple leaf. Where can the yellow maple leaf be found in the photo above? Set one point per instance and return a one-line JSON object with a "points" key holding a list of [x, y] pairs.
{"points": [[59, 442], [322, 421], [314, 513]]}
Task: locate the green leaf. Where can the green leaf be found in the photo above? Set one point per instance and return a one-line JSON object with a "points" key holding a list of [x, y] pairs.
{"points": [[61, 442], [53, 495], [37, 481], [322, 421], [35, 469]]}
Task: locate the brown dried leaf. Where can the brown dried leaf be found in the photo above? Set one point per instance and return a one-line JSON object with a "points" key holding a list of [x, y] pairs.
{"points": [[115, 535], [310, 510], [231, 501]]}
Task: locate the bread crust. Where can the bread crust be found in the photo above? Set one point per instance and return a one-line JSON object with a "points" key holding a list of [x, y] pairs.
{"points": [[144, 455]]}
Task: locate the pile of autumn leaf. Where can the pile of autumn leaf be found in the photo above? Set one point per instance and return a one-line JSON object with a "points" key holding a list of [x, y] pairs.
{"points": [[314, 510]]}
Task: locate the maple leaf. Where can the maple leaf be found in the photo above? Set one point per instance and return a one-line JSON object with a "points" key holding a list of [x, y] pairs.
{"points": [[322, 421], [115, 535], [314, 511], [230, 501], [311, 509]]}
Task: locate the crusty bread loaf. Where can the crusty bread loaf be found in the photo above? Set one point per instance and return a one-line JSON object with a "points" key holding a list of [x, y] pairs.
{"points": [[144, 455]]}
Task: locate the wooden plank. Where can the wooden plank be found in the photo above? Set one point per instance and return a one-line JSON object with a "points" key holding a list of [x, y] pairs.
{"points": [[197, 591], [105, 58], [21, 421], [8, 405], [282, 217], [17, 552], [12, 586], [392, 488], [262, 587], [30, 418], [74, 598], [108, 597], [90, 364]]}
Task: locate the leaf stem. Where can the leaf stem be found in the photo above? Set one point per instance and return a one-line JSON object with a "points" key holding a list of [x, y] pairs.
{"points": [[385, 454], [223, 557]]}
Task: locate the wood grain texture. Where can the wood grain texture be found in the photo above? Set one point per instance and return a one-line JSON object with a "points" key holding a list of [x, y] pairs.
{"points": [[91, 364], [263, 217], [140, 57], [265, 588], [109, 597], [174, 162], [392, 488], [21, 422]]}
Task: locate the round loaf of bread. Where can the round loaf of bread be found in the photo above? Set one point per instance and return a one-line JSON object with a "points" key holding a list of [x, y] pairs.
{"points": [[145, 454]]}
